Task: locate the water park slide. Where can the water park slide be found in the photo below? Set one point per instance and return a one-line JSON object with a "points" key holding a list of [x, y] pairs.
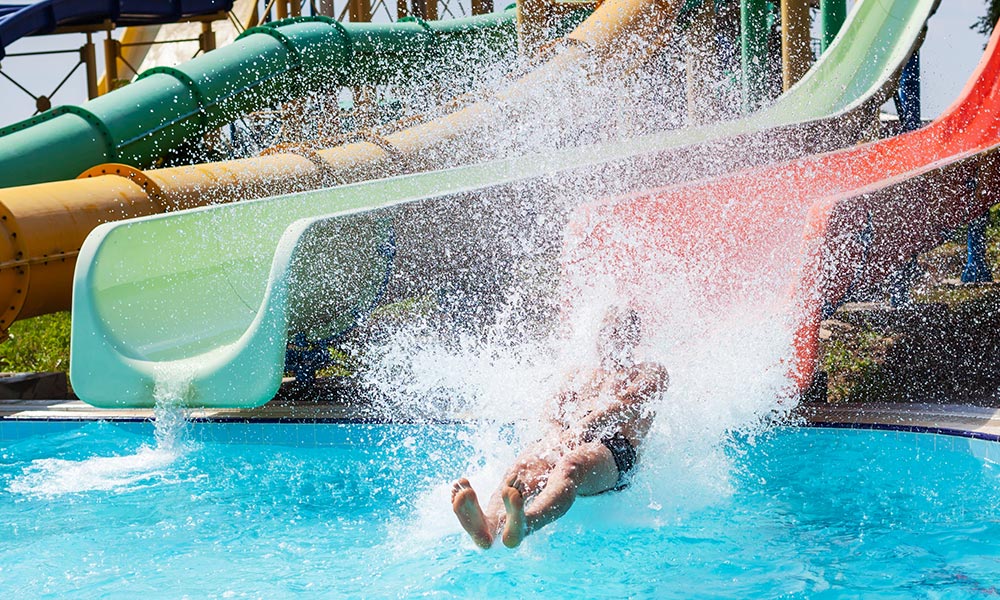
{"points": [[224, 305], [45, 16], [166, 106], [149, 46], [874, 43], [45, 223], [862, 212]]}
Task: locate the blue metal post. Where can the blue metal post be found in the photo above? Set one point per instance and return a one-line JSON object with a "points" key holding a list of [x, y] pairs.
{"points": [[908, 95], [899, 284], [907, 101], [977, 270]]}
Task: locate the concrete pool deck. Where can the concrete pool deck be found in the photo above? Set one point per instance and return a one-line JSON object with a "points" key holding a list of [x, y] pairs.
{"points": [[958, 419], [76, 410], [944, 418]]}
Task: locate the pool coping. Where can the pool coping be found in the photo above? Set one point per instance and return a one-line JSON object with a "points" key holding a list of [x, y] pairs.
{"points": [[946, 419], [962, 420], [284, 411]]}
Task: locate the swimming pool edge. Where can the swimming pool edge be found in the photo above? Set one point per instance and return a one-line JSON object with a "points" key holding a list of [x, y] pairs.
{"points": [[944, 419], [959, 420]]}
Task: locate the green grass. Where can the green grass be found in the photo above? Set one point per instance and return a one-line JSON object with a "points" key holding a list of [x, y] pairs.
{"points": [[37, 344], [853, 361]]}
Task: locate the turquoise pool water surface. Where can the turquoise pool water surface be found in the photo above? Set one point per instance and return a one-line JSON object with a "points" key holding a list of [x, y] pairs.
{"points": [[280, 510]]}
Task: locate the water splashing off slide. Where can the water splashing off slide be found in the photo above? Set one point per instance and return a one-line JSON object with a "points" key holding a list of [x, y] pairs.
{"points": [[147, 466], [801, 235], [233, 290]]}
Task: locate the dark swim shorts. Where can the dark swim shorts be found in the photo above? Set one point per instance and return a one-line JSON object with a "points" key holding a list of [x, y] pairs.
{"points": [[625, 457]]}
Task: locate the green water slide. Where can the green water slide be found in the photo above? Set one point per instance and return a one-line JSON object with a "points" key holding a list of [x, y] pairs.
{"points": [[166, 106], [245, 278]]}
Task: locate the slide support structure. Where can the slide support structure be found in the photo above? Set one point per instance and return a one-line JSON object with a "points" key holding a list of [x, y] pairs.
{"points": [[908, 96], [832, 14], [907, 102], [796, 53], [753, 53], [977, 270]]}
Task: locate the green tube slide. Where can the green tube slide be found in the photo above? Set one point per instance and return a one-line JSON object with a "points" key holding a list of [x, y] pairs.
{"points": [[244, 277], [166, 106]]}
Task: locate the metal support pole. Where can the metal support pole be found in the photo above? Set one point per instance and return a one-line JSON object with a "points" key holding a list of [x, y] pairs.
{"points": [[908, 95], [327, 9], [281, 9], [900, 283], [365, 101], [702, 64], [295, 8], [977, 269], [361, 11], [832, 14], [753, 52], [112, 48], [532, 18], [88, 54], [796, 54], [206, 41], [481, 7]]}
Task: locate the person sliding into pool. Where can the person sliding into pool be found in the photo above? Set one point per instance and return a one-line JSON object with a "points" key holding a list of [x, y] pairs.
{"points": [[594, 430]]}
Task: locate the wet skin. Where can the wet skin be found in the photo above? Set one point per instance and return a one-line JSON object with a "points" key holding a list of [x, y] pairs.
{"points": [[570, 460]]}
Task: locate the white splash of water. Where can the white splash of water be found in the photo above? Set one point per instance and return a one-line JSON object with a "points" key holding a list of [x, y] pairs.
{"points": [[727, 357], [148, 466]]}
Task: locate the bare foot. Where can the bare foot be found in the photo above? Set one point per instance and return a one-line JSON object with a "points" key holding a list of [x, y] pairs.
{"points": [[515, 529], [465, 503]]}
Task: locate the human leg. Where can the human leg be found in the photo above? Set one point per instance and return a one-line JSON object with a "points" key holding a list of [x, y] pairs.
{"points": [[587, 470], [470, 514], [530, 469]]}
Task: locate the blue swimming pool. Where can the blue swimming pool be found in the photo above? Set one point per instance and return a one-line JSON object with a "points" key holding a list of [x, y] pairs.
{"points": [[279, 510]]}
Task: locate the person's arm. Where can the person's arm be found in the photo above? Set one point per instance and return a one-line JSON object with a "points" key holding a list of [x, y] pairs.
{"points": [[556, 411], [629, 405]]}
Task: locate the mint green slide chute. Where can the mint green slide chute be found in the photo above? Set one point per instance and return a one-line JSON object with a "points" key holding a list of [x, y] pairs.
{"points": [[214, 293]]}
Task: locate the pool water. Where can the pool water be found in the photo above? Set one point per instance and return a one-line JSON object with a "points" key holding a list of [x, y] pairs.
{"points": [[281, 510]]}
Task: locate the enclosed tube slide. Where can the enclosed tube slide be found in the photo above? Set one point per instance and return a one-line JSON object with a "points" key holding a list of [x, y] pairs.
{"points": [[222, 309], [817, 228], [45, 16], [51, 220], [166, 106]]}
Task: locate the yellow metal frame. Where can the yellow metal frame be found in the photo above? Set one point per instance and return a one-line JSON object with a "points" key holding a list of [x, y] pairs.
{"points": [[796, 53]]}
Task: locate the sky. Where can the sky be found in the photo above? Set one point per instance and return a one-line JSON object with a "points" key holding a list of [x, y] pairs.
{"points": [[948, 56]]}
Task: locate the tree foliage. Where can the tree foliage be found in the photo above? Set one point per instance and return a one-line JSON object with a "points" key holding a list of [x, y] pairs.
{"points": [[987, 22]]}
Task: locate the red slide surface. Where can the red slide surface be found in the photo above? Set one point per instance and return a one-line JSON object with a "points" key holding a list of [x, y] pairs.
{"points": [[800, 234]]}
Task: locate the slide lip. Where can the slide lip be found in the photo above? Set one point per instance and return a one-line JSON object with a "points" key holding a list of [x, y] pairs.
{"points": [[259, 351], [211, 372]]}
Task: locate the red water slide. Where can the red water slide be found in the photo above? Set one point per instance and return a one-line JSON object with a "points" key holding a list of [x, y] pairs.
{"points": [[803, 233]]}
